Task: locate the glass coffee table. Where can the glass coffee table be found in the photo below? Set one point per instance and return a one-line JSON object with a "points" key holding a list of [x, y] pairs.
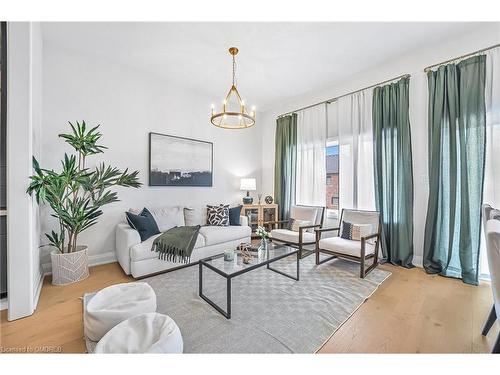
{"points": [[236, 267]]}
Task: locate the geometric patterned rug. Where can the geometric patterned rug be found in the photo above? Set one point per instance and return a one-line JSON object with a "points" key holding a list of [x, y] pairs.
{"points": [[270, 313]]}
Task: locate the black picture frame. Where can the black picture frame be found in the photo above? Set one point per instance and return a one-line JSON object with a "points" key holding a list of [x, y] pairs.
{"points": [[177, 178]]}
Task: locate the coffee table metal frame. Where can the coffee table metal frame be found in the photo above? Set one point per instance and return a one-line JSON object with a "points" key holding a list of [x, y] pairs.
{"points": [[205, 262]]}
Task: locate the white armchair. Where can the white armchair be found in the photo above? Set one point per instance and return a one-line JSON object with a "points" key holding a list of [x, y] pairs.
{"points": [[360, 251], [486, 210], [493, 250], [304, 237]]}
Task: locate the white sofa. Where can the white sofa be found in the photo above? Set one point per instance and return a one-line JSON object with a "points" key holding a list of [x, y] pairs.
{"points": [[137, 259]]}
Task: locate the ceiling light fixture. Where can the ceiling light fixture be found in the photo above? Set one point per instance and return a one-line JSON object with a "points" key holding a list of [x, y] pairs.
{"points": [[234, 114]]}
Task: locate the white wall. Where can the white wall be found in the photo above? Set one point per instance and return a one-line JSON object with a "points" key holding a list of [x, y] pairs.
{"points": [[412, 63], [129, 104], [24, 81], [36, 113]]}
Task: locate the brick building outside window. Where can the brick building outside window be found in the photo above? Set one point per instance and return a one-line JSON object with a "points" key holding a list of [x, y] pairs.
{"points": [[332, 178]]}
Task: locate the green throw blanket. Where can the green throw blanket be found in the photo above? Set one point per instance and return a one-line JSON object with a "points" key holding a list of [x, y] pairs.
{"points": [[176, 244]]}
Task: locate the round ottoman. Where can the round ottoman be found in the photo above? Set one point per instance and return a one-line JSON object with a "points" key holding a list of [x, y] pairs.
{"points": [[114, 304], [144, 333]]}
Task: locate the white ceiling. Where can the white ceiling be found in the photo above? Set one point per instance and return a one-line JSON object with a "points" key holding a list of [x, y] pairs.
{"points": [[277, 61]]}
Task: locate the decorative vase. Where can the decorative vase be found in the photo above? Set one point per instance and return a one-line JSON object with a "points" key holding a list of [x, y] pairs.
{"points": [[68, 268], [262, 250]]}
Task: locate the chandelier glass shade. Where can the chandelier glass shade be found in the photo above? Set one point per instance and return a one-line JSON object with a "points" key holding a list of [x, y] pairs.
{"points": [[233, 114]]}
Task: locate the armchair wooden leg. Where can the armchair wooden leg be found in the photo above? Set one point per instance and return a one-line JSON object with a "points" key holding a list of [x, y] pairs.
{"points": [[362, 272], [492, 316], [362, 268], [321, 261]]}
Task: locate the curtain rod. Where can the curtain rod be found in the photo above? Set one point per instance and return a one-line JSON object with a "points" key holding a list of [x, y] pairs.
{"points": [[328, 101], [460, 57]]}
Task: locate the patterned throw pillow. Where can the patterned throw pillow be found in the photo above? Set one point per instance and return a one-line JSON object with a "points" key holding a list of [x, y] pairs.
{"points": [[346, 230], [495, 214], [354, 232], [218, 215]]}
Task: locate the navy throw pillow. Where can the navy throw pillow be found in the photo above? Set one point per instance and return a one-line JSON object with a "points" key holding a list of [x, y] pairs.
{"points": [[234, 215], [144, 223], [346, 230]]}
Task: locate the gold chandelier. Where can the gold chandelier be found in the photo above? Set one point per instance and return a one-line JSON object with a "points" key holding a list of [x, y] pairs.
{"points": [[234, 114]]}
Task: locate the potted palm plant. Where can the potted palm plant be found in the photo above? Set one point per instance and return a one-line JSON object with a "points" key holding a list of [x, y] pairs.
{"points": [[76, 195]]}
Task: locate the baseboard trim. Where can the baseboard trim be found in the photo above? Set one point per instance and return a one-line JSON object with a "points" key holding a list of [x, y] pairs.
{"points": [[4, 303], [38, 290], [94, 260]]}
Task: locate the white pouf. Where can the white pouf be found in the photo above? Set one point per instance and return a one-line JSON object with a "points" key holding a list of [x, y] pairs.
{"points": [[116, 303], [145, 333]]}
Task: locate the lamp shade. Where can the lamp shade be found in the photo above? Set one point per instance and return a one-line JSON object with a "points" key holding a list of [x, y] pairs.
{"points": [[248, 184]]}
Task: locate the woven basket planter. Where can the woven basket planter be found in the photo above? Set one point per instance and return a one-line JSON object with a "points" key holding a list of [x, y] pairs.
{"points": [[68, 268]]}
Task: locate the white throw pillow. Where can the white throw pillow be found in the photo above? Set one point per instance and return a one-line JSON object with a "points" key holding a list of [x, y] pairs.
{"points": [[305, 213], [193, 216], [296, 224]]}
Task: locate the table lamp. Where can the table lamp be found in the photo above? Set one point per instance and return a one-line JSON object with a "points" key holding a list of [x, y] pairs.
{"points": [[248, 184]]}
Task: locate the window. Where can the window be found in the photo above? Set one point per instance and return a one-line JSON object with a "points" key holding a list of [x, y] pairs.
{"points": [[332, 180]]}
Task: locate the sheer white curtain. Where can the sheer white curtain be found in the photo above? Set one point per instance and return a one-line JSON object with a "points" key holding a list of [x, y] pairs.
{"points": [[311, 153], [350, 123], [491, 191]]}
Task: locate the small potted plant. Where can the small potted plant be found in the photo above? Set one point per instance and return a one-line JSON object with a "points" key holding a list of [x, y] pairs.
{"points": [[76, 195]]}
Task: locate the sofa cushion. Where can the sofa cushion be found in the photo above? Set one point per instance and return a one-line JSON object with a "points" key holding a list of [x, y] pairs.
{"points": [[168, 217], [143, 251], [216, 234], [292, 236], [343, 246]]}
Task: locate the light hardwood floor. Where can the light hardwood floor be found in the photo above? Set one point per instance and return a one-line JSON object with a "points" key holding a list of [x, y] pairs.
{"points": [[411, 312]]}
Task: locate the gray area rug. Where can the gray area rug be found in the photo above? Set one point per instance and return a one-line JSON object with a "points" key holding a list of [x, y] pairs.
{"points": [[270, 313]]}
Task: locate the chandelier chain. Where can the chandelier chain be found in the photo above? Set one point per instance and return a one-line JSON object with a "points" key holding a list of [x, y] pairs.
{"points": [[236, 117], [234, 71]]}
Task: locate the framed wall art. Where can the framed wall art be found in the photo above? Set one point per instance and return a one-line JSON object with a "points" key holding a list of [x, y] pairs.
{"points": [[178, 161]]}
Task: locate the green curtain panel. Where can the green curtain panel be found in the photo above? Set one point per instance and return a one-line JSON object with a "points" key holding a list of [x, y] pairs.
{"points": [[392, 159], [285, 164], [457, 142]]}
